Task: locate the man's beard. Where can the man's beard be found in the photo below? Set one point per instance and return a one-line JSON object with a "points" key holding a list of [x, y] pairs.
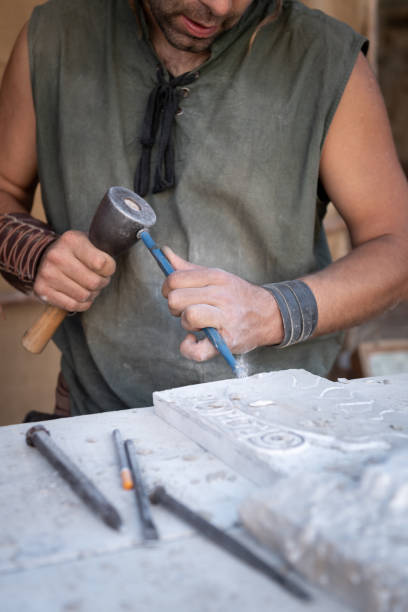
{"points": [[167, 15]]}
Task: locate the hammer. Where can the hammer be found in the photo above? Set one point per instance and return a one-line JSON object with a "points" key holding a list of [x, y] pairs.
{"points": [[119, 221], [114, 229]]}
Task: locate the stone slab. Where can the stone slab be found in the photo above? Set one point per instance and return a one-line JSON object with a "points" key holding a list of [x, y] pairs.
{"points": [[55, 556], [44, 522], [334, 458], [281, 423], [184, 575], [348, 535]]}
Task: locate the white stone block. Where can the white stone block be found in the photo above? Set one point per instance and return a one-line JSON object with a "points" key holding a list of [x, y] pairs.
{"points": [[334, 458], [349, 536], [280, 423]]}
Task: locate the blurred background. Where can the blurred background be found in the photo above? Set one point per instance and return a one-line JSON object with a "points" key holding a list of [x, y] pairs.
{"points": [[380, 347]]}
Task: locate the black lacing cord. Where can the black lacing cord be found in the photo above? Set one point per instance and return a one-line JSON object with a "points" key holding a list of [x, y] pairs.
{"points": [[162, 106]]}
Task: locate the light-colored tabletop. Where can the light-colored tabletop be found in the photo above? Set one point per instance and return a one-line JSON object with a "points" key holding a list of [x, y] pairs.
{"points": [[56, 555]]}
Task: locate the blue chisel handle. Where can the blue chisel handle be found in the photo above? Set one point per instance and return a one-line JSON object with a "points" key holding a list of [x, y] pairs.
{"points": [[212, 334]]}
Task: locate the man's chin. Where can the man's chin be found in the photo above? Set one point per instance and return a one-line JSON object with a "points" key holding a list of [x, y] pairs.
{"points": [[199, 47], [186, 43]]}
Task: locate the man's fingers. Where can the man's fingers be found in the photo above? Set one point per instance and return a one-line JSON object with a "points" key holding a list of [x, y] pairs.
{"points": [[92, 258], [176, 261], [186, 273], [198, 316], [192, 276], [56, 298], [76, 245], [72, 272], [65, 285], [180, 299], [198, 350], [196, 277], [65, 293], [63, 271]]}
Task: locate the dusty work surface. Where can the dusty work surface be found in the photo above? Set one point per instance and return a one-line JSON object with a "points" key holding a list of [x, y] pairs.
{"points": [[55, 555], [333, 457]]}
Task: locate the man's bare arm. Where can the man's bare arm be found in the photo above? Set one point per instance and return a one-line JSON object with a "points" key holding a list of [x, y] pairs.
{"points": [[72, 271], [18, 157], [362, 175]]}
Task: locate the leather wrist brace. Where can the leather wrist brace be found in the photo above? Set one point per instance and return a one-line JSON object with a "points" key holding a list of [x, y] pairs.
{"points": [[23, 241], [298, 308]]}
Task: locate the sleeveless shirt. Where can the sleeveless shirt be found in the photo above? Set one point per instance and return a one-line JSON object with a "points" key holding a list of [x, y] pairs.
{"points": [[247, 151]]}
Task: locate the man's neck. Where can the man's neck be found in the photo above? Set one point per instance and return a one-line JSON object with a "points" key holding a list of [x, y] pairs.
{"points": [[176, 62]]}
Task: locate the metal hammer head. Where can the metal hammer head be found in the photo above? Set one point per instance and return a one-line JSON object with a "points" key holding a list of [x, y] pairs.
{"points": [[118, 219]]}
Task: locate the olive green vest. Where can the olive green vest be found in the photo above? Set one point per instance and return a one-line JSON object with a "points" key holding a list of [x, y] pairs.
{"points": [[247, 149]]}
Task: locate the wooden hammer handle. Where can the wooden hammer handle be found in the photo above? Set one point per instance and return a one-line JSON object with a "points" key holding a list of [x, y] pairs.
{"points": [[37, 336]]}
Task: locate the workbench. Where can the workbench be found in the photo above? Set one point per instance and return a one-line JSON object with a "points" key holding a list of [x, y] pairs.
{"points": [[56, 555]]}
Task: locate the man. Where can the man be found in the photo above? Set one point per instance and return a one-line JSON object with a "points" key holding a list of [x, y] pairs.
{"points": [[237, 121]]}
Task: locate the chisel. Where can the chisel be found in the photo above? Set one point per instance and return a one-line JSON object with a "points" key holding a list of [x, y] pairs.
{"points": [[40, 437], [226, 542]]}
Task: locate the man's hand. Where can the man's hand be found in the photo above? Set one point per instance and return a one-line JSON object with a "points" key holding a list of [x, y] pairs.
{"points": [[245, 315], [72, 272]]}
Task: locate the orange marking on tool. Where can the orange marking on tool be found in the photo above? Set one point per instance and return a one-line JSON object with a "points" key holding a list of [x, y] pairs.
{"points": [[127, 481]]}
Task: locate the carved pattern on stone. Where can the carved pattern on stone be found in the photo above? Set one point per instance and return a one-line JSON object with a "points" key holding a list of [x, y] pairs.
{"points": [[236, 423], [275, 414], [276, 440]]}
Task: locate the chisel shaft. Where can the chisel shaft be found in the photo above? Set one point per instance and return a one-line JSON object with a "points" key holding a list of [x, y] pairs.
{"points": [[226, 542], [149, 530], [40, 437], [212, 334], [125, 475]]}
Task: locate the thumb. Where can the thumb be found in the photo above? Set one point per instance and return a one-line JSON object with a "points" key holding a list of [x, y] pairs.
{"points": [[178, 262]]}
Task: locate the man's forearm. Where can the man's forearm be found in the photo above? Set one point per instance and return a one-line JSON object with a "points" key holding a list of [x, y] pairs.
{"points": [[367, 281], [23, 240]]}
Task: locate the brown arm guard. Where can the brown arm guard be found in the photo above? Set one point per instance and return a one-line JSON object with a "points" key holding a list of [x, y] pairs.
{"points": [[23, 241]]}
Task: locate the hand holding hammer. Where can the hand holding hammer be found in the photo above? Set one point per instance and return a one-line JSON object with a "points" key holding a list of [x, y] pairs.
{"points": [[75, 269], [73, 272]]}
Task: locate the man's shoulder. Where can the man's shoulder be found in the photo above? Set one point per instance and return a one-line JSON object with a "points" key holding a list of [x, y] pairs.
{"points": [[56, 19], [73, 7], [300, 30], [310, 22]]}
